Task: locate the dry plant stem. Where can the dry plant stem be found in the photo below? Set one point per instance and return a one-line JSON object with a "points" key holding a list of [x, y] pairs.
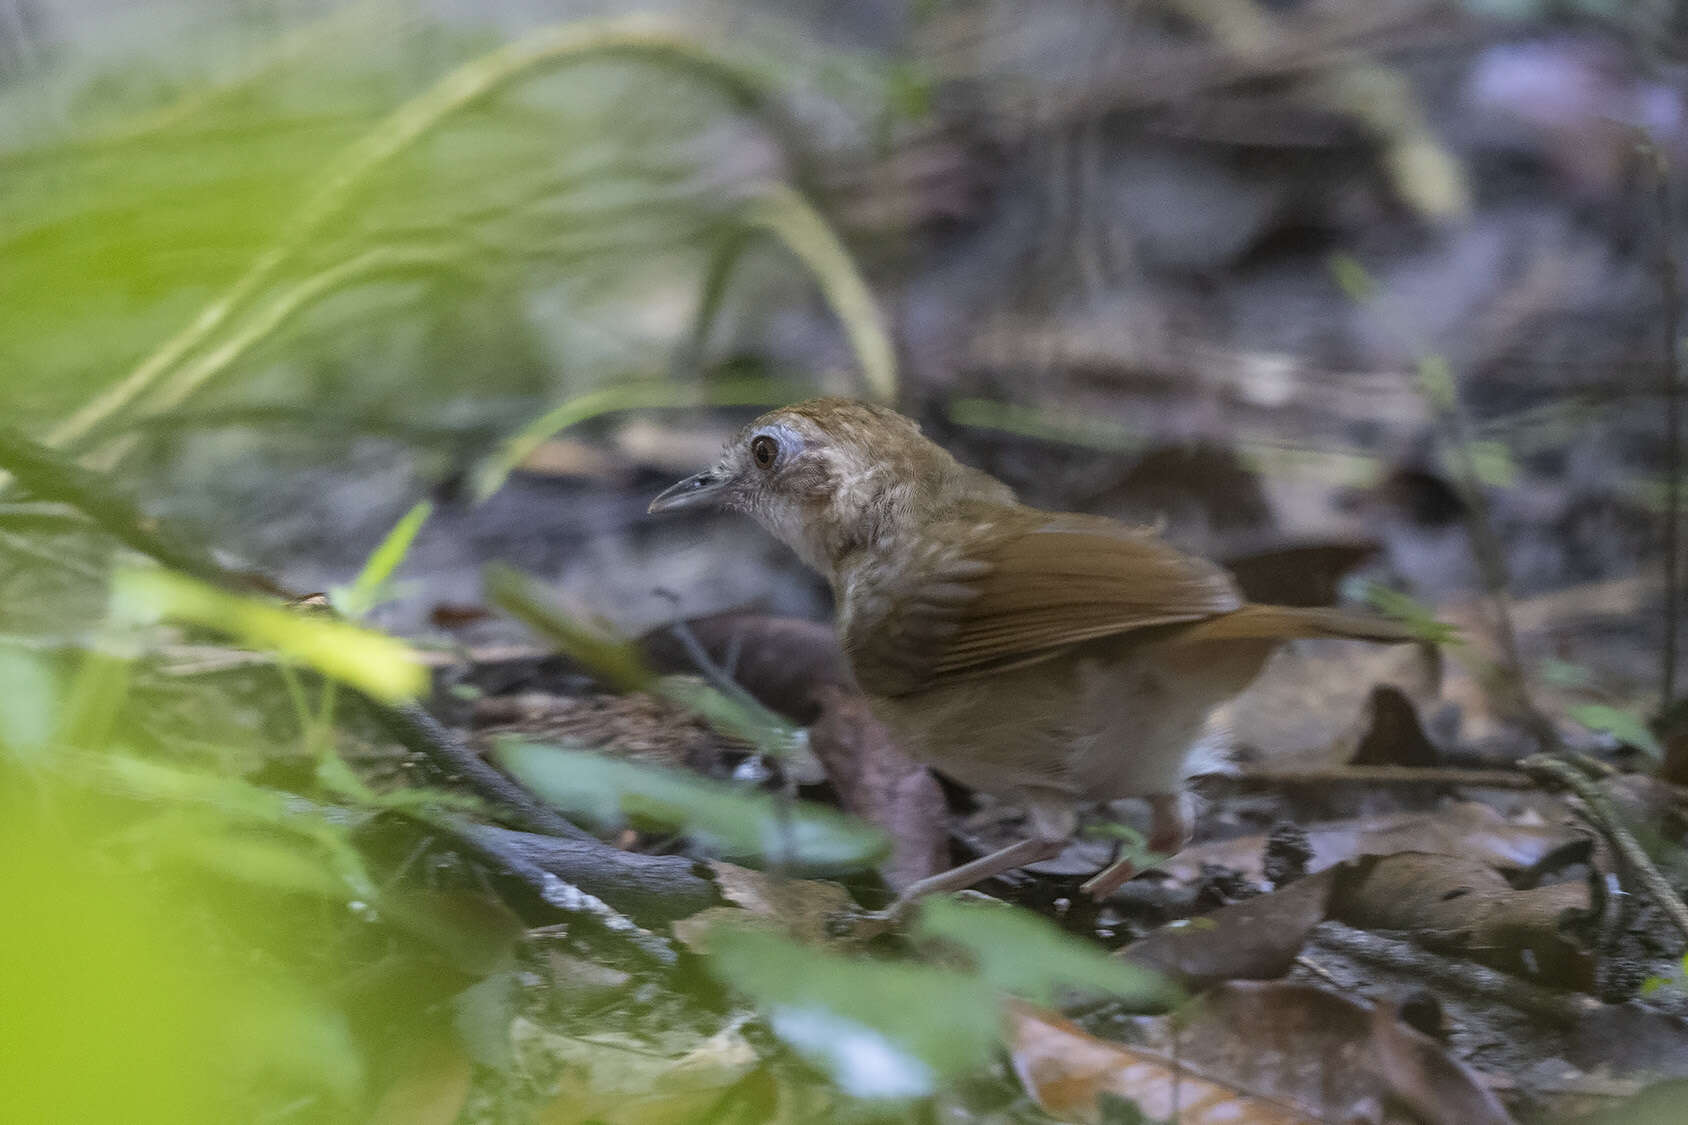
{"points": [[1561, 1009], [1599, 810], [1671, 294], [467, 86], [413, 727]]}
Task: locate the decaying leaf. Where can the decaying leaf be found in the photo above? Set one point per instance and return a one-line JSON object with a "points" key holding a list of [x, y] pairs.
{"points": [[879, 783], [802, 908], [1067, 1071], [1465, 908], [1249, 1052], [782, 661], [1255, 939], [1468, 829], [618, 1080]]}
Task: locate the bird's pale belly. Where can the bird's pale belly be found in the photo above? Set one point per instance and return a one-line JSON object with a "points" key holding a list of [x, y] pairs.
{"points": [[1090, 725]]}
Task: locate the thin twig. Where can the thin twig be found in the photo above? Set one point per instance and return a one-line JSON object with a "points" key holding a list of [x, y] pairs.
{"points": [[1561, 1009], [1599, 810], [1670, 292], [1379, 775]]}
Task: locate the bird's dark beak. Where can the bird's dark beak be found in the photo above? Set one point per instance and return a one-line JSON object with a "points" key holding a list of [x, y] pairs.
{"points": [[701, 490]]}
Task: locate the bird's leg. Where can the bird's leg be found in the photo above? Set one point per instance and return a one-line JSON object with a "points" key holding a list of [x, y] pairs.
{"points": [[958, 878], [1051, 820], [1169, 831]]}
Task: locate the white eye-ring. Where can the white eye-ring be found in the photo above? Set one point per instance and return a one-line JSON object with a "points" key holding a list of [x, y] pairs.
{"points": [[764, 450]]}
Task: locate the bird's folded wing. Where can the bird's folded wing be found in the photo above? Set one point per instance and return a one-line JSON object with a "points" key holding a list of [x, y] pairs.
{"points": [[1020, 586]]}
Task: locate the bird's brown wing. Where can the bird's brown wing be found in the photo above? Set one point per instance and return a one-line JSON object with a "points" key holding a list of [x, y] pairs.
{"points": [[1009, 586]]}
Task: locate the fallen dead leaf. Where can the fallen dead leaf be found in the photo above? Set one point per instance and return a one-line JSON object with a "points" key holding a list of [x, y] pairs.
{"points": [[617, 1080], [1469, 829], [1456, 905], [1255, 939], [802, 908], [1305, 707], [1256, 1053], [879, 783], [1389, 733], [781, 661], [1067, 1072]]}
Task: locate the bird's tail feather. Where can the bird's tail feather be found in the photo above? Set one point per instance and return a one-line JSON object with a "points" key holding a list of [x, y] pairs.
{"points": [[1274, 622]]}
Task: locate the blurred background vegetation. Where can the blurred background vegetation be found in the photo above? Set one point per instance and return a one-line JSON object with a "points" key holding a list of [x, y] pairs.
{"points": [[273, 273]]}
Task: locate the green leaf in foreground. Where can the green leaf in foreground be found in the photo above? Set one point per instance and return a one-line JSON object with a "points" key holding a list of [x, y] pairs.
{"points": [[879, 1029], [611, 658], [374, 664], [633, 394], [1621, 725], [1352, 278], [1016, 951], [725, 818], [1415, 615], [369, 587]]}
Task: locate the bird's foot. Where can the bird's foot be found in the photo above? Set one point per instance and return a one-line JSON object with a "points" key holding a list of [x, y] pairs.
{"points": [[1111, 878]]}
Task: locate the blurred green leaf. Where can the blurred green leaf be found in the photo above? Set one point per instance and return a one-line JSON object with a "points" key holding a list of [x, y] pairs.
{"points": [[1622, 725], [736, 716], [379, 665], [1564, 674], [610, 658], [784, 212], [1351, 277], [879, 1029], [1493, 463], [617, 661], [482, 1015], [1411, 612], [369, 588], [728, 820], [30, 711], [1436, 382], [1018, 952], [491, 474]]}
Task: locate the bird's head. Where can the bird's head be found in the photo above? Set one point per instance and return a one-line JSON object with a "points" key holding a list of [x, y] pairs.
{"points": [[830, 476]]}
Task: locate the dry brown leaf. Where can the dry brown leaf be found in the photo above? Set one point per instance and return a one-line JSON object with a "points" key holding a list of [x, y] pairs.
{"points": [[1256, 1053], [1066, 1071], [1468, 829], [802, 908], [1255, 939], [618, 1081], [1456, 905], [882, 785], [1308, 705]]}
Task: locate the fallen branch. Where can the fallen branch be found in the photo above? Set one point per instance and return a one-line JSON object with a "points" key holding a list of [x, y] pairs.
{"points": [[1599, 811], [654, 889], [412, 726], [1467, 978]]}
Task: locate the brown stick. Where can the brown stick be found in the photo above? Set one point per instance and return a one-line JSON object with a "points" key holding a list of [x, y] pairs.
{"points": [[1556, 771]]}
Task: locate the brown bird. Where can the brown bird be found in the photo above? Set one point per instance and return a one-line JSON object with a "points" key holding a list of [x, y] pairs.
{"points": [[1048, 657]]}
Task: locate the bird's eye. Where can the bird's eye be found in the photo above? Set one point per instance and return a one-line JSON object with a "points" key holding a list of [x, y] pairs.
{"points": [[763, 449]]}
